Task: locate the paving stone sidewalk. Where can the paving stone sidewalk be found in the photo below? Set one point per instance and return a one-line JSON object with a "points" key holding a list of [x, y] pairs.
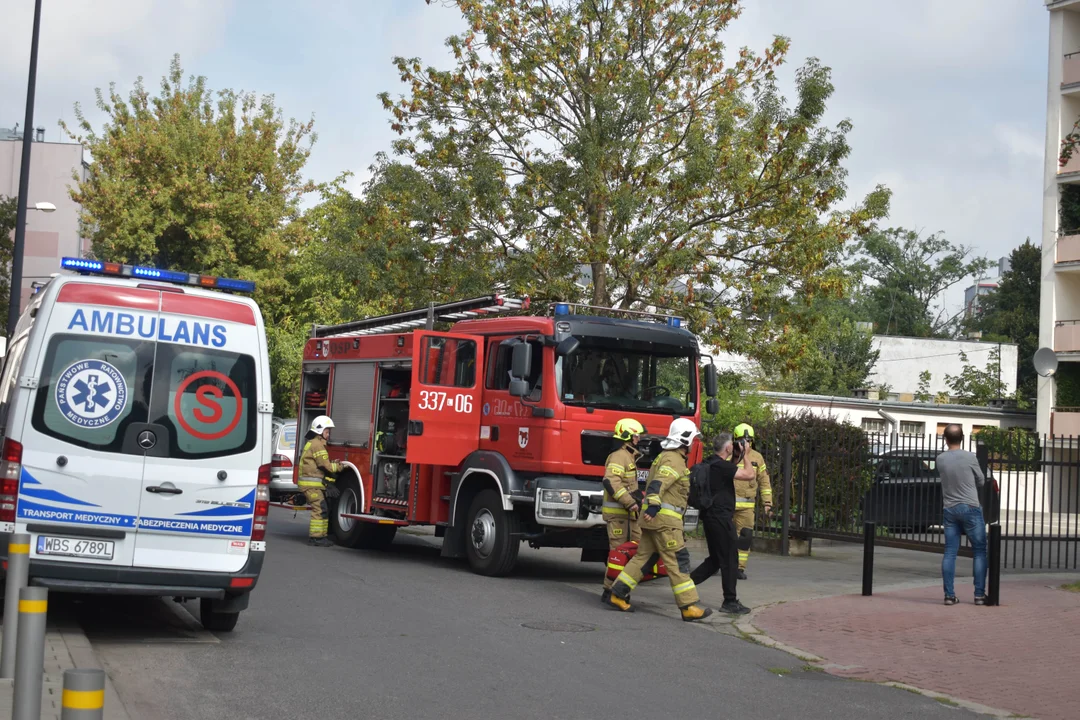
{"points": [[65, 647], [1022, 656]]}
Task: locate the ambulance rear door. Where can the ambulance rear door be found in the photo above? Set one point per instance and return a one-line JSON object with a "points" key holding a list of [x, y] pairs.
{"points": [[198, 489]]}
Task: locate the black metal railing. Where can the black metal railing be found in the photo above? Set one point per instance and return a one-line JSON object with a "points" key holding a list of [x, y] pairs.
{"points": [[831, 485]]}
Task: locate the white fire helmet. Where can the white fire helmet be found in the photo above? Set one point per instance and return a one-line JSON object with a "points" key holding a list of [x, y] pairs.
{"points": [[681, 434], [321, 423]]}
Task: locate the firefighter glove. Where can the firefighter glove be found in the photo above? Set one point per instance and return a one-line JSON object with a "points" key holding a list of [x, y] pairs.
{"points": [[651, 511], [332, 491], [639, 497]]}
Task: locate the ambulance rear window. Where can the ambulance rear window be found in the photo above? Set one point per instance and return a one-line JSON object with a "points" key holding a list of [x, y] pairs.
{"points": [[207, 400], [91, 390]]}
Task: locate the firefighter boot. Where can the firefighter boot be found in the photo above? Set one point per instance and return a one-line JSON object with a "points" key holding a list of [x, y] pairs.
{"points": [[617, 603], [605, 597], [694, 613], [321, 542]]}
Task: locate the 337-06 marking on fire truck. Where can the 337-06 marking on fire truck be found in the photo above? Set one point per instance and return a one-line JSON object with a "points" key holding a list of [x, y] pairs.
{"points": [[438, 401]]}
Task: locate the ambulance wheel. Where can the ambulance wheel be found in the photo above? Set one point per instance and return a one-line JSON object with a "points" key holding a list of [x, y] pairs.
{"points": [[214, 620], [491, 535], [353, 533]]}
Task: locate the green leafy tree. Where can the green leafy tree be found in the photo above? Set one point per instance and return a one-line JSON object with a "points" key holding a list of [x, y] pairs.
{"points": [[974, 386], [839, 358], [908, 273], [923, 394], [186, 181], [8, 211], [617, 136], [739, 402], [1011, 312]]}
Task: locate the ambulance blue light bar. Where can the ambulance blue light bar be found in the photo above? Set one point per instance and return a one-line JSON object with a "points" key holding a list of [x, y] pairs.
{"points": [[143, 272]]}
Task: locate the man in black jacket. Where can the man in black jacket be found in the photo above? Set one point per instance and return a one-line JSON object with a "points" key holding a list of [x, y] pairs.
{"points": [[719, 522]]}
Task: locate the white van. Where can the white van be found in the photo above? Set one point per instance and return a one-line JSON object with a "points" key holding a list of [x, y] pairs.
{"points": [[136, 419]]}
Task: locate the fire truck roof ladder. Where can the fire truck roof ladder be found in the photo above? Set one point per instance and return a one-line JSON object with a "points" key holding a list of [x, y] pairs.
{"points": [[427, 316]]}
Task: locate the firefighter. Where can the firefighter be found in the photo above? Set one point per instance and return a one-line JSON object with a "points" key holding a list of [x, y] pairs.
{"points": [[316, 472], [621, 495], [746, 491], [662, 526]]}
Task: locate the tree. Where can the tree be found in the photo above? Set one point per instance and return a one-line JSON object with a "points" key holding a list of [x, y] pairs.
{"points": [[612, 135], [739, 403], [8, 211], [923, 393], [977, 387], [908, 274], [839, 359], [1011, 312], [183, 182]]}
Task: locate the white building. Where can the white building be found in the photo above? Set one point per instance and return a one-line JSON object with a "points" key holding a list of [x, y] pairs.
{"points": [[901, 361], [49, 236], [904, 418]]}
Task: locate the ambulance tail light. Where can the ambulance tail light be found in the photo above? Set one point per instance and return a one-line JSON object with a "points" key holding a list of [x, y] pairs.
{"points": [[262, 504], [10, 470], [281, 461]]}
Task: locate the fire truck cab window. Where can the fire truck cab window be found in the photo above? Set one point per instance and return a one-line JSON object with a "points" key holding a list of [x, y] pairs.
{"points": [[448, 361], [607, 372], [499, 360]]}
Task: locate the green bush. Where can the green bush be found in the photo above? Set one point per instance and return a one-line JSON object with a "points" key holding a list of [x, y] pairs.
{"points": [[1010, 449], [1067, 379], [840, 455], [738, 402]]}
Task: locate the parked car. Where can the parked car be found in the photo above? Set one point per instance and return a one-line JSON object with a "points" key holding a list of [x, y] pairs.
{"points": [[281, 464], [906, 494]]}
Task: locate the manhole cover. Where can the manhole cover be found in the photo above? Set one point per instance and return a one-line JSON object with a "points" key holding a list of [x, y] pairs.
{"points": [[558, 626]]}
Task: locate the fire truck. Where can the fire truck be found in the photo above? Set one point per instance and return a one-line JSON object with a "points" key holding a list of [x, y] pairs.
{"points": [[496, 431]]}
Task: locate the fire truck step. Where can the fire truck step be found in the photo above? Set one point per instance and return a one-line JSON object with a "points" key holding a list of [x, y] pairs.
{"points": [[376, 519]]}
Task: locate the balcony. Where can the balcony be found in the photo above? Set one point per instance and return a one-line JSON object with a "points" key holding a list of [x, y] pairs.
{"points": [[1065, 422], [1070, 171], [1068, 249], [1067, 336], [1070, 69]]}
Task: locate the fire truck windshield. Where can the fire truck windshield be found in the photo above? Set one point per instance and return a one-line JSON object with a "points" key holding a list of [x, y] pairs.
{"points": [[639, 376]]}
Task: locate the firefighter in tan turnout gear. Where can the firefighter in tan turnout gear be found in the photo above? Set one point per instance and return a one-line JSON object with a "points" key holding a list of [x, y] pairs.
{"points": [[746, 491], [316, 472], [621, 496], [662, 526]]}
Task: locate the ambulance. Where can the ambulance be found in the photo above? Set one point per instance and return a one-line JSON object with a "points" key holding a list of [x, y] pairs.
{"points": [[136, 419]]}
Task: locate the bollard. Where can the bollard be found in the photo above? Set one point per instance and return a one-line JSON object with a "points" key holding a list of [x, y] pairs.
{"points": [[84, 695], [18, 568], [30, 654], [869, 531], [993, 557]]}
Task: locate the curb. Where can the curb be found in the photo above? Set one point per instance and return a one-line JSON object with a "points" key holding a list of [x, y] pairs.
{"points": [[752, 633]]}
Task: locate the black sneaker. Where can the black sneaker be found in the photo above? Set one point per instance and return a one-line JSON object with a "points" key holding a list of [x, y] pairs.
{"points": [[951, 600], [741, 575], [980, 600], [734, 607]]}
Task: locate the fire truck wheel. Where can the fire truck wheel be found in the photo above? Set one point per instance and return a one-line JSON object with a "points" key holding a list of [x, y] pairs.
{"points": [[353, 533], [491, 535]]}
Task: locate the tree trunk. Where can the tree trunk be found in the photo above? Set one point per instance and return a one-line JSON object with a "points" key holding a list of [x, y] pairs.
{"points": [[600, 291], [598, 243]]}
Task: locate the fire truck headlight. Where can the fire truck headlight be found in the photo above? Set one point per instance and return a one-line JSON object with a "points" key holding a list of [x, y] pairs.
{"points": [[556, 496]]}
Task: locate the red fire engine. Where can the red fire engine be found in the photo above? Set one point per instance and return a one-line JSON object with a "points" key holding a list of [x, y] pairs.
{"points": [[497, 431]]}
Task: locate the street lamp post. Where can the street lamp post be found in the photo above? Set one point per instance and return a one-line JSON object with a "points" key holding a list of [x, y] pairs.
{"points": [[15, 297]]}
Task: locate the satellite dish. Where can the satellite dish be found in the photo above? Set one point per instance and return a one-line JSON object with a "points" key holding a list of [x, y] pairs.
{"points": [[1045, 362]]}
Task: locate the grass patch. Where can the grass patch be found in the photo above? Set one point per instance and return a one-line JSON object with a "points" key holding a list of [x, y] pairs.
{"points": [[1072, 587], [947, 701], [780, 671], [813, 668]]}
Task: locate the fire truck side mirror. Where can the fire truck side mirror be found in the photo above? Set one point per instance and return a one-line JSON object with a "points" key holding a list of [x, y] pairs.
{"points": [[521, 362], [519, 388], [567, 346], [710, 380], [712, 406]]}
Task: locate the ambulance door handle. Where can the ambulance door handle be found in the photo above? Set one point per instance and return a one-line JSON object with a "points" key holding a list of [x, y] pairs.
{"points": [[164, 490]]}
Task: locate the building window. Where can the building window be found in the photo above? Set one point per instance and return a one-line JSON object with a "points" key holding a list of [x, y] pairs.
{"points": [[873, 425], [912, 428]]}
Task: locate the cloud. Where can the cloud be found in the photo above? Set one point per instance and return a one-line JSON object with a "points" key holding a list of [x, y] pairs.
{"points": [[1019, 142]]}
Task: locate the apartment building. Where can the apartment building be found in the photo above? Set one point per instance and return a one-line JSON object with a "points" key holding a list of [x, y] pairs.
{"points": [[49, 235]]}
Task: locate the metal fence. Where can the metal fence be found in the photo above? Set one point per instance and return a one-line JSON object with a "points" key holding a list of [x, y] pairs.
{"points": [[828, 485]]}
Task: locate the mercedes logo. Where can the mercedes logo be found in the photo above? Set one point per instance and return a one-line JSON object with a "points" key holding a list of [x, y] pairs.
{"points": [[147, 439]]}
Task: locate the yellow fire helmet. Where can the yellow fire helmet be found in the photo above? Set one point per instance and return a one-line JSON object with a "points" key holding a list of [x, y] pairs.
{"points": [[744, 430], [628, 428]]}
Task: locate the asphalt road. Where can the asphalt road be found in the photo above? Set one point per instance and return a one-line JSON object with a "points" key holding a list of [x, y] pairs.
{"points": [[335, 633]]}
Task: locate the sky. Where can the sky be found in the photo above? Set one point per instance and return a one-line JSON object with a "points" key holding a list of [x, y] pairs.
{"points": [[947, 97]]}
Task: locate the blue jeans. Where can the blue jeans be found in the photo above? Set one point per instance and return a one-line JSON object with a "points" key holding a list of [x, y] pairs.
{"points": [[966, 519]]}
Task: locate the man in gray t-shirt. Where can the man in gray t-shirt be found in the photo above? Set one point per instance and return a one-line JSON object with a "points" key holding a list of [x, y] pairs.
{"points": [[961, 481]]}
